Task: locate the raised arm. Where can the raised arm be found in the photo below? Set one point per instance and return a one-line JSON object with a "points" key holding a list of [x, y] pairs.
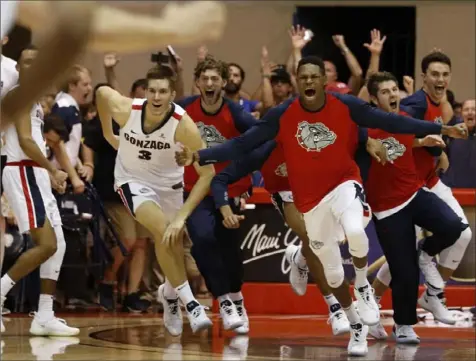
{"points": [[111, 104], [355, 79]]}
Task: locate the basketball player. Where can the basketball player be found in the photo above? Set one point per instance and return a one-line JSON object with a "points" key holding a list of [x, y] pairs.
{"points": [[429, 104], [74, 24], [399, 202], [319, 137], [218, 119], [151, 184], [27, 187]]}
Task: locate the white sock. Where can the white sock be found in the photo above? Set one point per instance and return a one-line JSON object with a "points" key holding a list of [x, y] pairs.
{"points": [[6, 284], [45, 307], [352, 315], [223, 298], [185, 293], [169, 291], [300, 260], [361, 277], [236, 296], [330, 300], [425, 256]]}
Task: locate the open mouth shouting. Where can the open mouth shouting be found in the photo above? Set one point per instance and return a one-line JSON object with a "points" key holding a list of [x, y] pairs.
{"points": [[310, 92], [440, 90], [393, 105], [209, 93]]}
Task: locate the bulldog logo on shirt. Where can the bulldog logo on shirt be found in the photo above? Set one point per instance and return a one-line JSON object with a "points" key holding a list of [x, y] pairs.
{"points": [[281, 170], [314, 137], [210, 135], [394, 148]]}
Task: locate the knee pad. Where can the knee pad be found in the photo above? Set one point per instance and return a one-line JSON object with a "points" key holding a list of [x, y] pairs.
{"points": [[358, 243], [383, 274], [451, 257], [331, 260], [51, 268]]}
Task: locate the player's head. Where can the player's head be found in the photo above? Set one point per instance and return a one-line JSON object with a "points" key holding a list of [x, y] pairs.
{"points": [[54, 130], [384, 91], [138, 89], [468, 113], [160, 90], [78, 84], [311, 79], [436, 73], [27, 57], [331, 71], [211, 76], [236, 77]]}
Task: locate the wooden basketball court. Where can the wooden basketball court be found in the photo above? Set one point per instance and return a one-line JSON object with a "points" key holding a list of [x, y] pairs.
{"points": [[128, 337]]}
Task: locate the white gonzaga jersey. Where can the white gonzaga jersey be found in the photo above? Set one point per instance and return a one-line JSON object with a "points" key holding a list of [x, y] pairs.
{"points": [[149, 158], [12, 147], [9, 75], [8, 13]]}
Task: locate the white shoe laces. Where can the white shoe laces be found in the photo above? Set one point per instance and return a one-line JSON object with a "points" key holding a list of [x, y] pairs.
{"points": [[338, 315], [368, 295]]}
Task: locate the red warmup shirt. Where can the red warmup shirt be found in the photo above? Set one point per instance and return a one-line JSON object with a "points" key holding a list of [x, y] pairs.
{"points": [[392, 184], [230, 121], [422, 107]]}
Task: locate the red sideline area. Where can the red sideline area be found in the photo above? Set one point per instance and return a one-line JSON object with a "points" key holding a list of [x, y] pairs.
{"points": [[278, 298]]}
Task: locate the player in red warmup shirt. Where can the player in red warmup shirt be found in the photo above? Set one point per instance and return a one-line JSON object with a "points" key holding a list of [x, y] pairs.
{"points": [[215, 248], [399, 202], [319, 135], [430, 104]]}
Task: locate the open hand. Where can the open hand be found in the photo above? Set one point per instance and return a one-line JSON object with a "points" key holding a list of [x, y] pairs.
{"points": [[184, 157], [174, 231]]}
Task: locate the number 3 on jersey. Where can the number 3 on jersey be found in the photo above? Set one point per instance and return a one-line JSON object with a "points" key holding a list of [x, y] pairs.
{"points": [[145, 155]]}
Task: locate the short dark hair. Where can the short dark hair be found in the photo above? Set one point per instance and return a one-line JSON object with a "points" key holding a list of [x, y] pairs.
{"points": [[56, 123], [315, 60], [210, 63], [162, 72], [377, 78], [242, 71], [30, 47], [434, 57], [139, 83]]}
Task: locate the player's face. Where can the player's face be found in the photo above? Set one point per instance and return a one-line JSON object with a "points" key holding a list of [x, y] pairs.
{"points": [[311, 82], [468, 112], [436, 80], [26, 59], [388, 96], [210, 84], [139, 92], [52, 138], [82, 90], [159, 95], [281, 89], [331, 71]]}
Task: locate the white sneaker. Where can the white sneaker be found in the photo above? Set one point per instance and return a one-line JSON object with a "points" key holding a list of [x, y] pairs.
{"points": [[229, 315], [367, 307], [378, 332], [173, 320], [197, 316], [52, 327], [429, 270], [339, 322], [240, 308], [358, 340], [44, 348], [436, 305], [297, 276], [405, 334]]}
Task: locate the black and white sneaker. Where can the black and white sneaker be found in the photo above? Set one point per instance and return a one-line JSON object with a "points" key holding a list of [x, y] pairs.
{"points": [[405, 334]]}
